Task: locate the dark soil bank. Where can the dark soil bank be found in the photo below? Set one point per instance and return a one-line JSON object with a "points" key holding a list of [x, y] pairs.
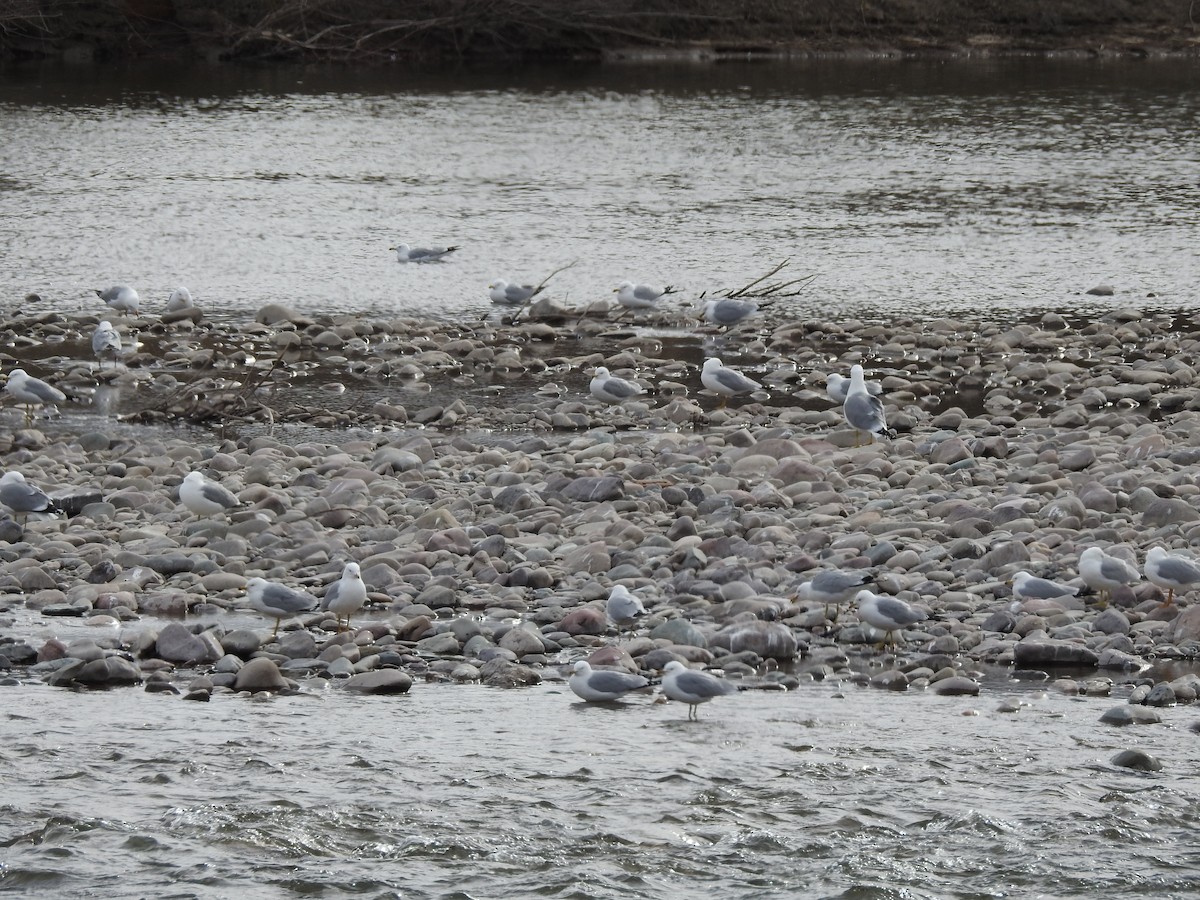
{"points": [[384, 30]]}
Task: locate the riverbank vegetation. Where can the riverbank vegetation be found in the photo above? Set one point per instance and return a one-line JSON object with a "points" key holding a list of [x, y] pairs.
{"points": [[384, 30]]}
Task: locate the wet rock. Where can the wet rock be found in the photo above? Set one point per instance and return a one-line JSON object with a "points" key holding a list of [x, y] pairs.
{"points": [[1037, 653], [1130, 715], [177, 644], [260, 674], [108, 672], [769, 640], [956, 685], [381, 681], [1137, 759]]}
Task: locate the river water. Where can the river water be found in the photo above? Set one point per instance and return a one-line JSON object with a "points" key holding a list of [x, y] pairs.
{"points": [[978, 189]]}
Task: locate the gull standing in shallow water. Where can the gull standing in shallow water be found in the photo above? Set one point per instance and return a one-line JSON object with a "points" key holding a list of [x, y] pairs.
{"points": [[599, 685], [693, 688], [728, 312], [407, 254], [888, 614], [511, 294], [277, 601], [612, 390], [1104, 573], [30, 392], [106, 339], [1175, 573], [346, 596], [725, 381], [623, 608], [863, 412], [204, 497], [22, 497]]}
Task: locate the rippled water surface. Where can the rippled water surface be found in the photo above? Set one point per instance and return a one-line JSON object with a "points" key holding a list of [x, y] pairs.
{"points": [[914, 187], [828, 791]]}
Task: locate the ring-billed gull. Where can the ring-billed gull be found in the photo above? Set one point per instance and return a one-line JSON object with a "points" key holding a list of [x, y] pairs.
{"points": [[725, 381], [181, 298], [204, 497], [22, 497], [623, 607], [1104, 573], [599, 685], [122, 298], [346, 596], [30, 392], [407, 254], [691, 687], [833, 587], [639, 296], [1029, 587], [863, 411], [612, 390], [728, 312], [837, 386], [888, 614], [277, 601], [106, 339], [511, 294], [1175, 573]]}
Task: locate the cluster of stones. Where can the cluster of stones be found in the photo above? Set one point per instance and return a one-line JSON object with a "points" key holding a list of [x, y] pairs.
{"points": [[489, 536]]}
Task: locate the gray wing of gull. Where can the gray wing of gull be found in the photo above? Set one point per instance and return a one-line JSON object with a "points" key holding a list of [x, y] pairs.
{"points": [[701, 684], [864, 412], [899, 611], [277, 596], [615, 682], [218, 494], [21, 497], [838, 582], [1042, 589], [735, 381], [620, 388], [730, 312], [1115, 569], [1179, 570]]}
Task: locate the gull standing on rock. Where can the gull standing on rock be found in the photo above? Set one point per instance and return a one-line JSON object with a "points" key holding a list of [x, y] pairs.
{"points": [[1029, 587], [1104, 573], [346, 596], [1175, 573], [30, 392], [693, 688], [407, 254], [599, 685], [278, 601], [863, 411], [122, 298], [725, 381], [728, 312], [623, 608], [612, 390], [180, 299], [511, 294], [106, 339], [22, 497], [833, 587], [888, 614], [204, 497]]}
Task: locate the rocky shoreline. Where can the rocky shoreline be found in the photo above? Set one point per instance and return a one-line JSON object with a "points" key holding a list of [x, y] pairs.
{"points": [[489, 534]]}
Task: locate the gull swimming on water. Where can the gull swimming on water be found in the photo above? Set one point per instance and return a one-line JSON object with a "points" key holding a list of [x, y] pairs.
{"points": [[728, 312], [691, 687], [30, 392], [725, 381], [612, 390], [888, 614], [22, 497], [122, 298], [863, 412], [1104, 573], [599, 685], [406, 254], [511, 294], [346, 596], [277, 601], [1175, 573], [204, 497]]}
